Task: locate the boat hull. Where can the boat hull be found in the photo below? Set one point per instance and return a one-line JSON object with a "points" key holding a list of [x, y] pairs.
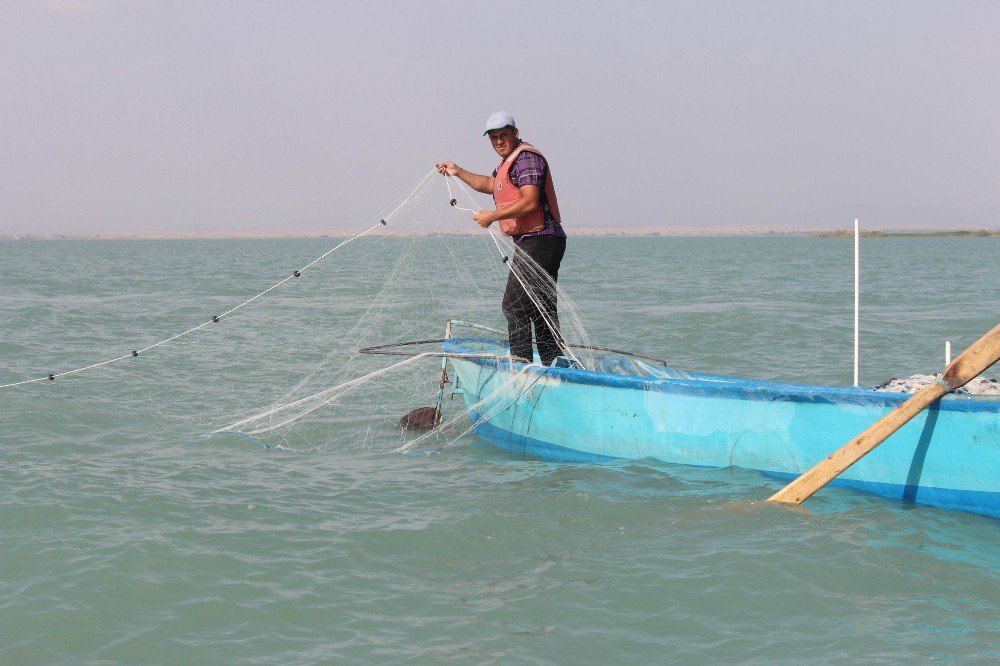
{"points": [[948, 456]]}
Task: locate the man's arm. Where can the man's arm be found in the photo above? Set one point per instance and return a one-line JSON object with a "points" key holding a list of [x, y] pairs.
{"points": [[530, 201], [476, 181]]}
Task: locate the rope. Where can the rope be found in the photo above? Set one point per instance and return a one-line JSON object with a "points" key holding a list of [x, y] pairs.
{"points": [[216, 318]]}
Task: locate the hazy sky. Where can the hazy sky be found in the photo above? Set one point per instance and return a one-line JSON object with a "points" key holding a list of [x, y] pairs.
{"points": [[186, 116]]}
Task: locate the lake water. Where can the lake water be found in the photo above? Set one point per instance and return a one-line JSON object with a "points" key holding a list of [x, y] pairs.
{"points": [[126, 537]]}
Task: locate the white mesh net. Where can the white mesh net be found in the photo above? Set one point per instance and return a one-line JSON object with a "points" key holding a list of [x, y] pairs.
{"points": [[284, 367]]}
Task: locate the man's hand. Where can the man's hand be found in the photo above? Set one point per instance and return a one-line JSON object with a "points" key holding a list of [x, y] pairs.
{"points": [[485, 218], [447, 168], [476, 181]]}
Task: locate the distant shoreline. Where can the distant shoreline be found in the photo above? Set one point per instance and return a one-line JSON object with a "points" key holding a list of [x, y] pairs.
{"points": [[971, 233], [577, 231]]}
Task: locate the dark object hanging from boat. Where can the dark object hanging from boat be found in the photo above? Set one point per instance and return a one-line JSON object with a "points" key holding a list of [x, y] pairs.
{"points": [[422, 418]]}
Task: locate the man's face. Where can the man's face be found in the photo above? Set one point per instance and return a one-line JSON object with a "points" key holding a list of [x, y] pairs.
{"points": [[504, 140]]}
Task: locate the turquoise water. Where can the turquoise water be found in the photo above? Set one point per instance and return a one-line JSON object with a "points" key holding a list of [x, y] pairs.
{"points": [[128, 538]]}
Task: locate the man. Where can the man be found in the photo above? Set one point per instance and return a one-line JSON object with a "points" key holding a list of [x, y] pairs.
{"points": [[528, 212]]}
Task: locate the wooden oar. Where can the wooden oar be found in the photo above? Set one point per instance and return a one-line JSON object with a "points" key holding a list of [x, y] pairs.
{"points": [[983, 353]]}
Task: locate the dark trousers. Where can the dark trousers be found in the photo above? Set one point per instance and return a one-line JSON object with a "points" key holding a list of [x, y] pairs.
{"points": [[519, 309]]}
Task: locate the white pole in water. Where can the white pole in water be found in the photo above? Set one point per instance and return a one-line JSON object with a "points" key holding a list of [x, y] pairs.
{"points": [[947, 353], [857, 300]]}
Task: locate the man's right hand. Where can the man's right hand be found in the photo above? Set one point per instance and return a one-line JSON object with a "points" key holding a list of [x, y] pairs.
{"points": [[447, 168], [476, 181]]}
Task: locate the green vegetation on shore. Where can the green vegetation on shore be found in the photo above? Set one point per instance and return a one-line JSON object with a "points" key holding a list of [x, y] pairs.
{"points": [[846, 233]]}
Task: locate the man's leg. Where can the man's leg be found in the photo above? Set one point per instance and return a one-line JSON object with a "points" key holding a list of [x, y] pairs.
{"points": [[518, 309], [537, 262], [548, 255]]}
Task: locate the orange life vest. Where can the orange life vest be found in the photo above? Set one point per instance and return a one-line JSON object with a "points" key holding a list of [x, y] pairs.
{"points": [[505, 193]]}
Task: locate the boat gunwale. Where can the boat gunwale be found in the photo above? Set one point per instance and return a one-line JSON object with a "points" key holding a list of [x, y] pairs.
{"points": [[721, 386]]}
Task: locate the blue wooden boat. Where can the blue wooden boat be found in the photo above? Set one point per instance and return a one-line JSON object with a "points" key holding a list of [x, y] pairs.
{"points": [[948, 456]]}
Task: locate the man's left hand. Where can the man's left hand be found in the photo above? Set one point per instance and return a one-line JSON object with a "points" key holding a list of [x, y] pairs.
{"points": [[484, 218]]}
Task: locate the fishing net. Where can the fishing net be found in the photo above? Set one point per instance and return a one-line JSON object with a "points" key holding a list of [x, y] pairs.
{"points": [[977, 386], [335, 353]]}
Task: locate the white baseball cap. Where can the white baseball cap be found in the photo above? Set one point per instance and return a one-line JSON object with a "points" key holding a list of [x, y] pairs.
{"points": [[499, 120]]}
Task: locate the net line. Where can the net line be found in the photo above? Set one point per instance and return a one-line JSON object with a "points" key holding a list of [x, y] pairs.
{"points": [[383, 222], [433, 265]]}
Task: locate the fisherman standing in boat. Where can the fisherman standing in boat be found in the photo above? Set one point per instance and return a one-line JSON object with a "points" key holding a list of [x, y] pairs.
{"points": [[528, 212]]}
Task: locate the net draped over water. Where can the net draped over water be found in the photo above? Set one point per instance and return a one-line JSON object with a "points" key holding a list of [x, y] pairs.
{"points": [[400, 279]]}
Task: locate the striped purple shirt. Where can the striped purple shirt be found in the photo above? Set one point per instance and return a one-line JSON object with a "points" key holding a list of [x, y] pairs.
{"points": [[531, 169]]}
